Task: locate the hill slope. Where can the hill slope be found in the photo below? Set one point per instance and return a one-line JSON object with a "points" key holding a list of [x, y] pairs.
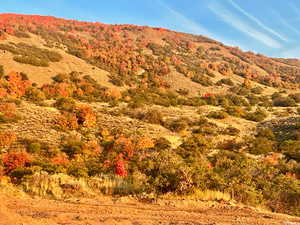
{"points": [[89, 109]]}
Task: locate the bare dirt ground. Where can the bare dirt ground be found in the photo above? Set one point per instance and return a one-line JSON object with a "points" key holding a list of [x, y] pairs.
{"points": [[109, 211]]}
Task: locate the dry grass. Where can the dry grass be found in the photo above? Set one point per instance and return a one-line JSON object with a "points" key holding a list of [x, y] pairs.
{"points": [[68, 64], [206, 195], [111, 185]]}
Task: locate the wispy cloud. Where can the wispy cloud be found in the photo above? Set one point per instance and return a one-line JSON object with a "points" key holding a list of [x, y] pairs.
{"points": [[236, 22], [285, 22], [257, 21], [185, 22]]}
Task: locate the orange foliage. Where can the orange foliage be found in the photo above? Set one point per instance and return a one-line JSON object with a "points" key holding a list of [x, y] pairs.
{"points": [[144, 143], [12, 85], [126, 145], [7, 138], [113, 93], [85, 115], [15, 159], [92, 147], [60, 160], [67, 121]]}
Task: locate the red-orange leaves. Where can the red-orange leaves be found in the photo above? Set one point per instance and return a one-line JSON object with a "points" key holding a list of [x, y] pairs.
{"points": [[86, 116], [120, 168], [13, 160], [67, 121], [13, 85]]}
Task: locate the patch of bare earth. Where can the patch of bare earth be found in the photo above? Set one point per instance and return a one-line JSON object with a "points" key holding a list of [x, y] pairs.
{"points": [[106, 210]]}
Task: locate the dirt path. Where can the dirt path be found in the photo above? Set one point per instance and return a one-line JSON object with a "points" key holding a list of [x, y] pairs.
{"points": [[15, 211]]}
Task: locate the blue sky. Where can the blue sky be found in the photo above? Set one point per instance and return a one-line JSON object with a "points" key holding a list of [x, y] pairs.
{"points": [[270, 27]]}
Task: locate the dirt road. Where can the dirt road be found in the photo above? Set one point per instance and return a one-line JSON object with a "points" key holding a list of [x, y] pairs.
{"points": [[104, 210]]}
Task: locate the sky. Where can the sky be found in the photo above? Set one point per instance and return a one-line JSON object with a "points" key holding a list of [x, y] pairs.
{"points": [[269, 27]]}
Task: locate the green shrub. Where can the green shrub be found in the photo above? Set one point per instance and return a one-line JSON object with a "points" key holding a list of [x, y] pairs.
{"points": [[176, 125], [261, 145], [257, 116], [257, 90], [202, 79], [284, 102], [72, 146], [21, 34], [34, 147], [218, 115], [31, 60], [236, 111], [151, 116], [65, 104], [226, 81], [34, 94], [77, 170]]}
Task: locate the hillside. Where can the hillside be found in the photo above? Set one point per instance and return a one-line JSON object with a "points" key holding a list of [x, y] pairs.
{"points": [[89, 109]]}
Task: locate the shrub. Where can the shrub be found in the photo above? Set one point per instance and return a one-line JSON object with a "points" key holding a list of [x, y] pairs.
{"points": [[261, 145], [194, 145], [144, 143], [266, 132], [8, 112], [257, 90], [151, 116], [232, 131], [62, 77], [77, 169], [18, 173], [120, 168], [257, 116], [32, 55], [66, 121], [235, 111], [66, 104], [218, 115], [176, 125], [284, 102], [13, 160], [86, 116], [34, 147], [34, 94], [226, 81], [202, 79], [31, 60], [72, 146], [21, 34]]}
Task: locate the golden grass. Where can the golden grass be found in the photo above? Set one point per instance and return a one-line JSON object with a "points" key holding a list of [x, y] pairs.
{"points": [[206, 195], [111, 184]]}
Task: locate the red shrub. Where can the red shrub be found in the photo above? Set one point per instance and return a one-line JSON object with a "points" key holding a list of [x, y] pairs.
{"points": [[62, 160], [120, 168], [13, 160]]}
